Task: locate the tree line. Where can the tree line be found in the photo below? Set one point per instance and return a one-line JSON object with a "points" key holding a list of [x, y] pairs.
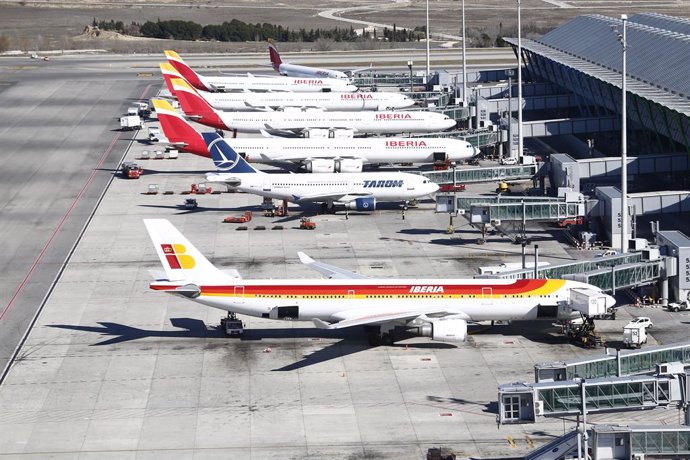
{"points": [[239, 31]]}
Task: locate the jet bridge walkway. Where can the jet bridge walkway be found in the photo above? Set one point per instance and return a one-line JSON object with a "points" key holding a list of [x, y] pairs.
{"points": [[478, 138], [524, 402], [479, 175], [623, 363], [608, 273]]}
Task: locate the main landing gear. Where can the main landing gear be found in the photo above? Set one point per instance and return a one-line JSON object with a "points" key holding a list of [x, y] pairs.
{"points": [[376, 337]]}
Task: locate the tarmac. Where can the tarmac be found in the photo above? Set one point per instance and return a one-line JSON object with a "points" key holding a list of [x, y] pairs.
{"points": [[110, 369]]}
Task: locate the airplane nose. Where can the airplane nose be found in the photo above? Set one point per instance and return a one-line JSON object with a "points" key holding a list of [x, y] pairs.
{"points": [[610, 301]]}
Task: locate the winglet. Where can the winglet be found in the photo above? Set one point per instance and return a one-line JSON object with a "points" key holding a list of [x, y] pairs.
{"points": [[305, 259], [320, 324], [178, 131]]}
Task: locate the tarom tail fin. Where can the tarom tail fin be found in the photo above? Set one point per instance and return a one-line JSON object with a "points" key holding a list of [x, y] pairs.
{"points": [[178, 131], [226, 159]]}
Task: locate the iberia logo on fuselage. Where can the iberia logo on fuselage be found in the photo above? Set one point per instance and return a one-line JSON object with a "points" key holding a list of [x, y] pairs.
{"points": [[308, 82], [356, 96], [176, 256], [426, 289], [405, 144], [393, 116]]}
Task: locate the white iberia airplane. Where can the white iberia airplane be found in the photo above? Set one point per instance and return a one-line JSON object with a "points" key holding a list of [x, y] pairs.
{"points": [[358, 191], [294, 70], [295, 123], [318, 155], [249, 101], [256, 83], [435, 308]]}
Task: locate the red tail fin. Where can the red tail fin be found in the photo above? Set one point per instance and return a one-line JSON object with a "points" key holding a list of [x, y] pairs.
{"points": [[187, 73], [169, 72], [275, 56], [195, 106], [178, 130]]}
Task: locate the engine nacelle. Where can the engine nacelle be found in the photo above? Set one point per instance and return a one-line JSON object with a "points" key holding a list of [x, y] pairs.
{"points": [[444, 330], [362, 204], [349, 165], [320, 165]]}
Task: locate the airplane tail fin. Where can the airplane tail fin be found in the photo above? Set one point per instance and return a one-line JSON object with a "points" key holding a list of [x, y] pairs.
{"points": [[181, 261], [178, 131], [275, 55], [169, 72], [226, 159], [187, 73], [195, 106]]}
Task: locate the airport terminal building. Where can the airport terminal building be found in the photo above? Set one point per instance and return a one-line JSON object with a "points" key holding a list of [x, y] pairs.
{"points": [[584, 57]]}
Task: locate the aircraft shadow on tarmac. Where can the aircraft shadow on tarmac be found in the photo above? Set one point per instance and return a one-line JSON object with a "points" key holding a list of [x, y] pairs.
{"points": [[490, 407], [352, 340]]}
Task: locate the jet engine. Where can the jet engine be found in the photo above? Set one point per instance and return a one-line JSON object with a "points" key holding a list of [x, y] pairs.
{"points": [[319, 165], [362, 204], [444, 330], [349, 165]]}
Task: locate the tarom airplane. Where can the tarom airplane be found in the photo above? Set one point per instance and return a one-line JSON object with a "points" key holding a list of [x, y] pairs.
{"points": [[294, 70], [249, 101], [435, 308], [297, 123], [358, 191], [318, 155], [256, 83]]}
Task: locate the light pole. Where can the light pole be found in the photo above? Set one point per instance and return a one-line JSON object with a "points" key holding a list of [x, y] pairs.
{"points": [[509, 74], [519, 69], [409, 66], [464, 60], [624, 143], [428, 37], [623, 38]]}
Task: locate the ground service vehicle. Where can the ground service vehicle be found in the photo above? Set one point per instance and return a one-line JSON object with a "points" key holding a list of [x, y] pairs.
{"points": [[634, 335], [678, 306], [131, 123]]}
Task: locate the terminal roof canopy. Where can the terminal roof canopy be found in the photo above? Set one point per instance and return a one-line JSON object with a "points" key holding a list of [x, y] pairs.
{"points": [[658, 53]]}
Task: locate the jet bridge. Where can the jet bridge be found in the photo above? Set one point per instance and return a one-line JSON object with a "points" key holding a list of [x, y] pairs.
{"points": [[623, 363], [478, 175], [524, 402], [607, 273], [478, 138]]}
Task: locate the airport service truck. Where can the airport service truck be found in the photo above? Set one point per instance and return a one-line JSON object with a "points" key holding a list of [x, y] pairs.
{"points": [[131, 122], [634, 335]]}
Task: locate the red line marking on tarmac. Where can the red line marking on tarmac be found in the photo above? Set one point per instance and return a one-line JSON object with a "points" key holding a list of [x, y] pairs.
{"points": [[63, 220]]}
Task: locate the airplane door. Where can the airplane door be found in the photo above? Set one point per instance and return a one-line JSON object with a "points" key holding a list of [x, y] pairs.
{"points": [[267, 184], [239, 293], [350, 294], [487, 294]]}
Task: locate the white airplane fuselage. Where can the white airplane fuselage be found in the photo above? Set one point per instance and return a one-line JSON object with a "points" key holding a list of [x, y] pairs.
{"points": [[416, 121], [277, 83], [334, 101], [382, 186], [371, 150], [295, 70], [469, 299]]}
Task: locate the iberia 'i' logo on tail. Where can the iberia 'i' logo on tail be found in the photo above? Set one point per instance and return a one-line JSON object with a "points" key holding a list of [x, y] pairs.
{"points": [[176, 256], [274, 55]]}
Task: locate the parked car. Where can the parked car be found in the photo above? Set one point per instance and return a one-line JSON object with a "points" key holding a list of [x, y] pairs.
{"points": [[641, 321]]}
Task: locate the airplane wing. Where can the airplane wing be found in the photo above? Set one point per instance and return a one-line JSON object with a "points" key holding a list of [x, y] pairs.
{"points": [[341, 197], [361, 69], [280, 132], [329, 271], [258, 108], [366, 316]]}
